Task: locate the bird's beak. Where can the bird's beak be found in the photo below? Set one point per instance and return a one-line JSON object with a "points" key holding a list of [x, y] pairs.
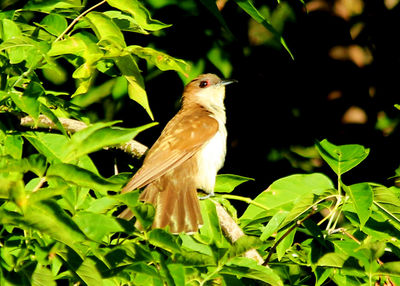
{"points": [[228, 81]]}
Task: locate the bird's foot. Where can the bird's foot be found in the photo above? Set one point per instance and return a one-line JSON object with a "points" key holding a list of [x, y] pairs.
{"points": [[207, 196]]}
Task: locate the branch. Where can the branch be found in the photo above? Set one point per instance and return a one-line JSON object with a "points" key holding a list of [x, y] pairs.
{"points": [[132, 147], [234, 232]]}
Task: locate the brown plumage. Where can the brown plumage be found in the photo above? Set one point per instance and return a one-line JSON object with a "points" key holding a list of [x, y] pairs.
{"points": [[186, 156]]}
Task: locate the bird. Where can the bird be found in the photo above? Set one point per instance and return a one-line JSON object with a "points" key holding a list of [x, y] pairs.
{"points": [[186, 157]]}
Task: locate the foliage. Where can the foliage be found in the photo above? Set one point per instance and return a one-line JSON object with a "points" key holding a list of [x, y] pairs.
{"points": [[58, 213]]}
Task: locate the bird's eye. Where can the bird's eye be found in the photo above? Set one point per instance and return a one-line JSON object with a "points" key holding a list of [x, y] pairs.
{"points": [[203, 83]]}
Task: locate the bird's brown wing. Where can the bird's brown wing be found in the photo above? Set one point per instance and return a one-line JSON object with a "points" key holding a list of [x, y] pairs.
{"points": [[183, 136]]}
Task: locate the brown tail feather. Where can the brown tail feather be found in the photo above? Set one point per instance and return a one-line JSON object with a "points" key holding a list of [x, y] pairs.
{"points": [[176, 207]]}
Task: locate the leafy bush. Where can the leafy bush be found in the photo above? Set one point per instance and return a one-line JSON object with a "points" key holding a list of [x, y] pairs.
{"points": [[58, 214]]}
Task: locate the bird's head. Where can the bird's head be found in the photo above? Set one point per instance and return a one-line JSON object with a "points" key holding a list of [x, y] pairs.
{"points": [[207, 90]]}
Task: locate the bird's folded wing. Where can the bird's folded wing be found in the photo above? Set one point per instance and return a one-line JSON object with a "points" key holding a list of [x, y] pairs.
{"points": [[183, 136]]}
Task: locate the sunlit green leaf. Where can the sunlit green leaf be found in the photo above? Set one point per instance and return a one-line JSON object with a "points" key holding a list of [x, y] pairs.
{"points": [[226, 183], [98, 136], [245, 267], [96, 226], [106, 30], [139, 13], [54, 24], [362, 197], [81, 177], [28, 101], [164, 240], [286, 192], [42, 276], [341, 158], [130, 70], [163, 61], [285, 244]]}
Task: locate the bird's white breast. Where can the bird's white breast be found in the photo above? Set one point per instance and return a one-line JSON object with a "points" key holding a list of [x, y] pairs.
{"points": [[211, 158]]}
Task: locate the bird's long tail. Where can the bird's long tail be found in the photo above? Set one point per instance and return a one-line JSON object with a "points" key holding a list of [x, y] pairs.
{"points": [[176, 207]]}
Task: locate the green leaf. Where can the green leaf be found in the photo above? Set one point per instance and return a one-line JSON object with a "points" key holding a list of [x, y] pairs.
{"points": [[82, 177], [286, 192], [130, 70], [332, 259], [50, 145], [273, 225], [161, 60], [97, 136], [210, 232], [190, 244], [106, 30], [178, 273], [388, 202], [285, 244], [226, 183], [28, 102], [389, 268], [96, 226], [35, 163], [125, 22], [245, 267], [13, 146], [55, 24], [362, 197], [243, 244], [341, 158], [139, 13], [42, 276], [160, 238], [249, 8], [49, 218], [49, 113]]}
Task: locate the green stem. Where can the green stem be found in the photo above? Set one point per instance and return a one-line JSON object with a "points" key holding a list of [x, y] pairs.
{"points": [[245, 199], [77, 19], [209, 276]]}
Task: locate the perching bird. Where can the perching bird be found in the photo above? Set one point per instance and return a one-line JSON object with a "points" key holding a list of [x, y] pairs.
{"points": [[186, 157]]}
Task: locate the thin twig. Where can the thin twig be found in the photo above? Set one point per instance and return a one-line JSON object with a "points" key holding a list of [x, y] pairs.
{"points": [[40, 184], [297, 224], [77, 19]]}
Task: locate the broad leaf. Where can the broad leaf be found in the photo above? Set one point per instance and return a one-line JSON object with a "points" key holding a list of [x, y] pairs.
{"points": [[98, 136], [164, 240], [388, 202], [245, 267], [106, 30], [28, 102], [139, 13], [341, 158], [362, 197], [161, 60], [55, 24], [96, 226], [286, 192], [226, 183], [81, 177], [130, 70]]}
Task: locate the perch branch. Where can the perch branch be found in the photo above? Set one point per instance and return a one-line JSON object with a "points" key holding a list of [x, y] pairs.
{"points": [[136, 149], [131, 147]]}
